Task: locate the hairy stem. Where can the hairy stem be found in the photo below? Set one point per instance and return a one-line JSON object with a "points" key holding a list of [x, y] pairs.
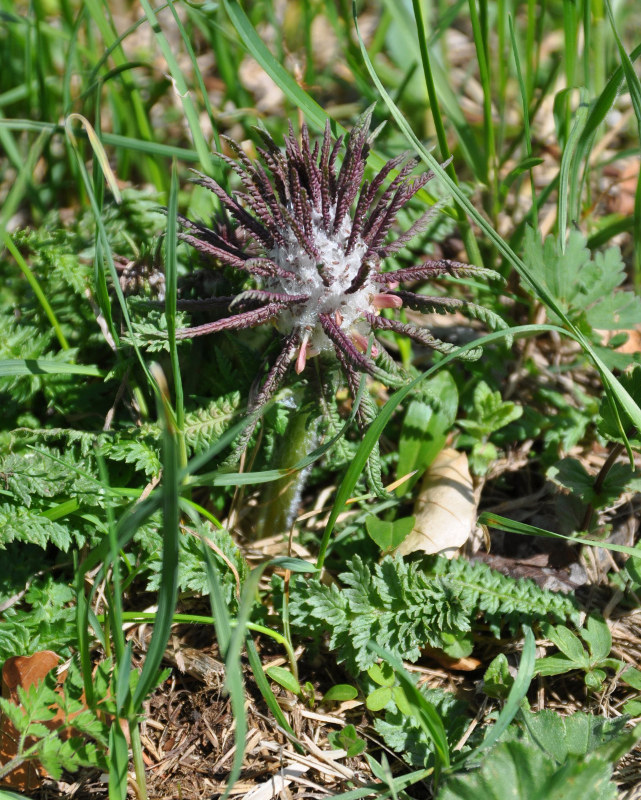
{"points": [[278, 511]]}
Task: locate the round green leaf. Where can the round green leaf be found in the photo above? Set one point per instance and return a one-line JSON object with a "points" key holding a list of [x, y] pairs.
{"points": [[382, 674], [340, 692], [285, 678], [379, 698]]}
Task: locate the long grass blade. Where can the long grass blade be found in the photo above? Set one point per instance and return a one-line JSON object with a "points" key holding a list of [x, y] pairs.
{"points": [[44, 366], [469, 240], [527, 135], [171, 294], [421, 709], [257, 48], [234, 675], [616, 393], [37, 289], [634, 87], [492, 520], [568, 190], [168, 592], [182, 90], [517, 693]]}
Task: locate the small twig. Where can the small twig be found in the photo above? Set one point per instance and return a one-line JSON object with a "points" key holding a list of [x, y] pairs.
{"points": [[598, 483]]}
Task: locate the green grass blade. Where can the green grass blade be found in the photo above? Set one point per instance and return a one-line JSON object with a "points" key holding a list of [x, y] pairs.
{"points": [[604, 103], [421, 709], [234, 675], [101, 16], [168, 592], [197, 73], [512, 526], [219, 610], [266, 690], [37, 290], [632, 79], [517, 693], [182, 90], [527, 135], [17, 191], [480, 43], [469, 239], [104, 254], [113, 593], [612, 386], [171, 294], [99, 153], [634, 87], [257, 48], [567, 163], [43, 366], [446, 96]]}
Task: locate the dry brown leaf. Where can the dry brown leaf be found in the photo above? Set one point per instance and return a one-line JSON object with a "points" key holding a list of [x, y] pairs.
{"points": [[23, 671], [630, 346], [445, 509], [467, 664]]}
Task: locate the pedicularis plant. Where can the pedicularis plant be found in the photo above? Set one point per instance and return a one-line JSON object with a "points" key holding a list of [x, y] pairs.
{"points": [[314, 239]]}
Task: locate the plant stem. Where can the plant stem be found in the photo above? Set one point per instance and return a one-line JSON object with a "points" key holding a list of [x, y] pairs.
{"points": [[139, 764], [281, 501], [598, 483]]}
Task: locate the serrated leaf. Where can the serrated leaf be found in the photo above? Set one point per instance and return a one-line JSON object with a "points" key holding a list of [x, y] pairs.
{"points": [[206, 425], [519, 771], [596, 633], [569, 644], [571, 474], [490, 412], [583, 285], [403, 606], [554, 665], [621, 310], [137, 452], [28, 526]]}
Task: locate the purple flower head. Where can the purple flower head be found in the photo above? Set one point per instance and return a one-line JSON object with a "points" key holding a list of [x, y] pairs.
{"points": [[314, 237]]}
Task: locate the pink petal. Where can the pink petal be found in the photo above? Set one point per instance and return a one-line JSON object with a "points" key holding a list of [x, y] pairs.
{"points": [[301, 358], [362, 342], [386, 301]]}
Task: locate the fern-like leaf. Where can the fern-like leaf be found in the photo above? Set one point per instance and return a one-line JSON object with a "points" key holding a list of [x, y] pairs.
{"points": [[404, 606]]}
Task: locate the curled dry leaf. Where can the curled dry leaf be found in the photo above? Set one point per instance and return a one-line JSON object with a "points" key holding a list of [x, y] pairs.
{"points": [[445, 509]]}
